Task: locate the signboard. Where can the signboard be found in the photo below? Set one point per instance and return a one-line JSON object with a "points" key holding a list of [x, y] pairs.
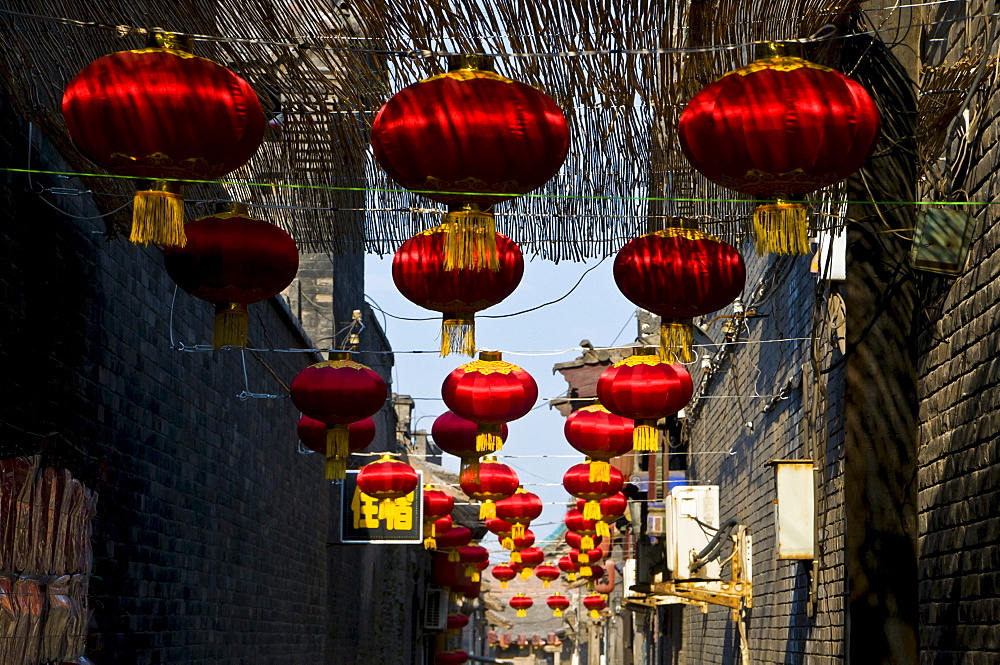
{"points": [[364, 520]]}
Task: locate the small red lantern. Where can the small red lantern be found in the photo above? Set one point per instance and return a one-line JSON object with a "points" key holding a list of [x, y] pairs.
{"points": [[595, 602], [519, 509], [503, 573], [468, 132], [474, 558], [577, 482], [419, 274], [387, 480], [570, 567], [502, 530], [232, 260], [612, 508], [645, 388], [312, 433], [519, 544], [600, 435], [546, 574], [437, 504], [584, 559], [338, 392], [443, 524], [679, 273], [495, 481], [530, 557], [455, 435], [456, 622], [489, 392], [454, 539], [557, 603], [162, 114], [579, 541], [451, 657], [521, 603], [779, 128]]}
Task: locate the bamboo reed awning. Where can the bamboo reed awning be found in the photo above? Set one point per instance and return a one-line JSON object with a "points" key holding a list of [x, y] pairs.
{"points": [[620, 69]]}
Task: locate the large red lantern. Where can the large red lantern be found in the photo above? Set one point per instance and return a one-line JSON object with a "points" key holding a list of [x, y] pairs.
{"points": [[570, 567], [474, 558], [521, 603], [232, 260], [612, 508], [162, 114], [503, 574], [313, 434], [437, 504], [645, 388], [338, 392], [387, 480], [600, 435], [470, 139], [577, 482], [779, 128], [595, 602], [453, 540], [546, 574], [519, 509], [679, 273], [557, 603], [489, 392], [495, 481], [455, 435], [420, 276]]}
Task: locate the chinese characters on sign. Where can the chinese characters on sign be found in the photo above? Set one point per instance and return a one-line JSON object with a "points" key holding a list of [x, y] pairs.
{"points": [[365, 520]]}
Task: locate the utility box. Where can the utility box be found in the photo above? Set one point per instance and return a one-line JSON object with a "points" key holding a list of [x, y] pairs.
{"points": [[795, 508], [691, 520]]}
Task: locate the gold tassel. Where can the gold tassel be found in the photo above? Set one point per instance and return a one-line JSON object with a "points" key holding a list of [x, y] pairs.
{"points": [[517, 531], [503, 584], [591, 584], [458, 335], [336, 468], [557, 612], [587, 543], [230, 325], [430, 544], [594, 614], [781, 228], [337, 450], [488, 438], [583, 557], [603, 530], [470, 239], [526, 574], [515, 557], [676, 341], [645, 436], [453, 555], [507, 543], [600, 471], [592, 510], [571, 577], [487, 510], [546, 584], [585, 570], [475, 575], [158, 215], [522, 613]]}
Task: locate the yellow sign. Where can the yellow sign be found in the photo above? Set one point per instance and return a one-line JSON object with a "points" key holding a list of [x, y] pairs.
{"points": [[366, 519]]}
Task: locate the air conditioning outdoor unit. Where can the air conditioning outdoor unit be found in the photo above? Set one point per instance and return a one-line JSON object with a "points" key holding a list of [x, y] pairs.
{"points": [[691, 520], [435, 609]]}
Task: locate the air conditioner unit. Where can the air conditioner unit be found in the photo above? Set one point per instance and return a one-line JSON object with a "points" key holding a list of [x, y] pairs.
{"points": [[435, 609], [691, 520]]}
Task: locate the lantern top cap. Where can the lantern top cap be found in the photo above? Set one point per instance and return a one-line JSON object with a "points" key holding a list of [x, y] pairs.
{"points": [[645, 351], [470, 61], [174, 41], [765, 50], [339, 355], [232, 207], [490, 355]]}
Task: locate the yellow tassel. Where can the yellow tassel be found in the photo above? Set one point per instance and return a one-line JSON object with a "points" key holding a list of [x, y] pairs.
{"points": [[600, 471], [645, 436], [470, 239], [583, 557], [458, 335], [430, 544], [676, 341], [603, 530], [526, 574], [781, 228], [488, 438], [522, 613], [507, 543], [587, 543], [503, 584], [158, 215], [571, 577], [557, 612], [591, 584], [230, 325], [517, 531], [336, 468], [487, 510], [453, 555], [546, 584], [592, 510], [337, 451], [475, 576], [585, 570], [594, 614], [515, 557]]}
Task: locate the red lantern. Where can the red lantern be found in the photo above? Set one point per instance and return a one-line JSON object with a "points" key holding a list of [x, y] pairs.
{"points": [[577, 482], [162, 114], [679, 273], [599, 434], [456, 622], [457, 436], [420, 276], [521, 603], [387, 479], [474, 558], [232, 260], [645, 388], [585, 557], [568, 566], [530, 557], [495, 481], [452, 657], [546, 574], [338, 392], [579, 541], [519, 509], [443, 524], [779, 128], [503, 574], [437, 504], [518, 544], [454, 539], [557, 603], [612, 508], [595, 602], [489, 392], [470, 132], [312, 433]]}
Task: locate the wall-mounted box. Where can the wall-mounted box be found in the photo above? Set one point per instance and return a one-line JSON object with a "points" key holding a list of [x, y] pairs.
{"points": [[941, 240], [795, 508], [691, 520]]}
